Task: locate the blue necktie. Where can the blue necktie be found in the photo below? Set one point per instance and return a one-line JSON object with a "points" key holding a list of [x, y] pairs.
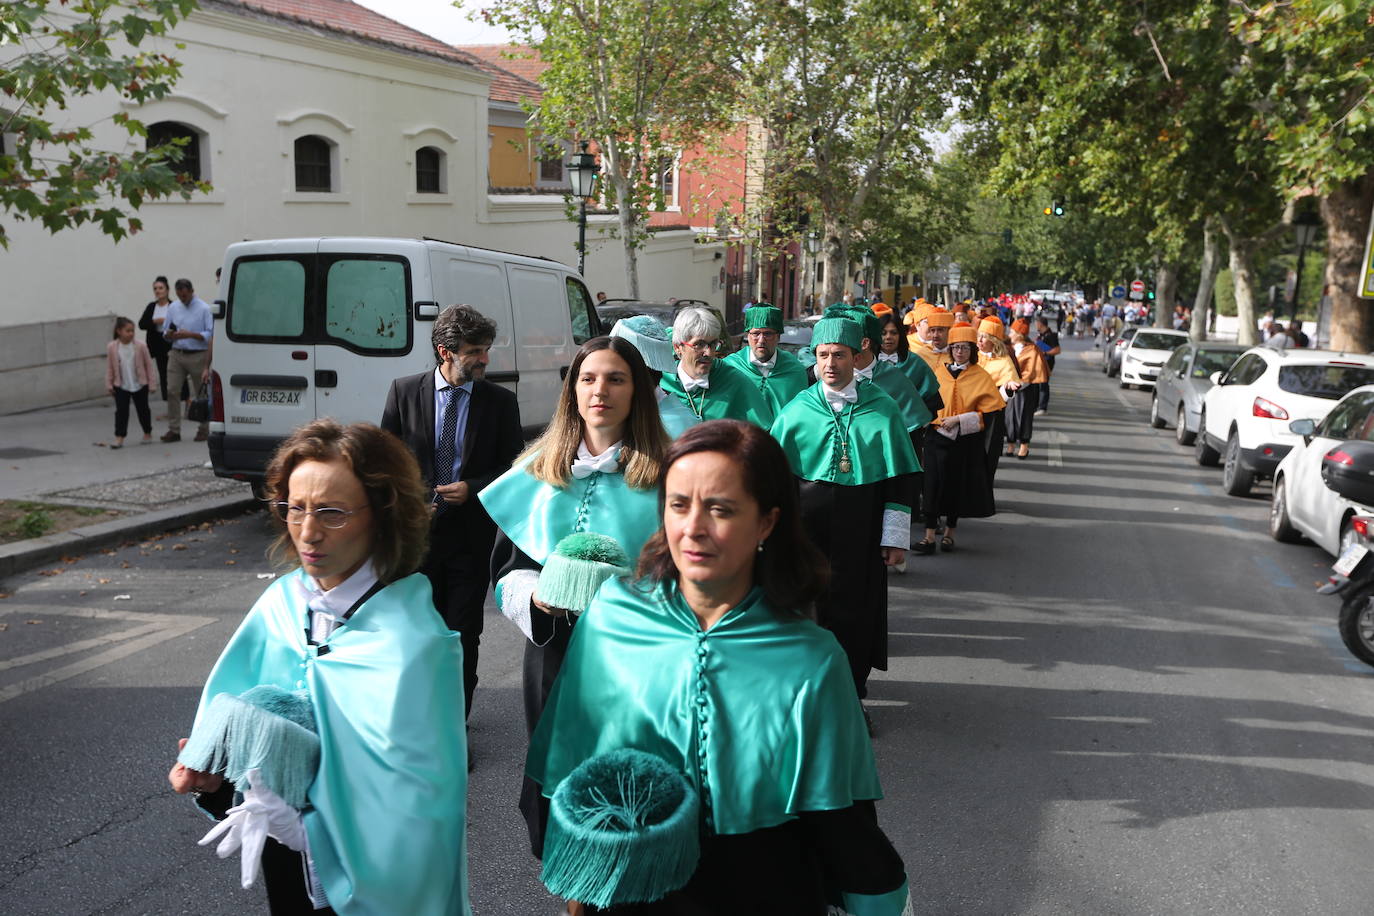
{"points": [[446, 450]]}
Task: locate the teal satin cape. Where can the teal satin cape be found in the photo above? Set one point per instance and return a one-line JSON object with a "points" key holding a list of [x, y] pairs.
{"points": [[879, 446], [759, 711], [921, 375], [900, 388], [388, 806], [782, 384], [677, 419], [730, 397], [536, 515]]}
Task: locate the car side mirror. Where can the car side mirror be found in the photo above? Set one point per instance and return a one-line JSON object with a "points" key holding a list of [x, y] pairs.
{"points": [[1217, 376], [1305, 428]]}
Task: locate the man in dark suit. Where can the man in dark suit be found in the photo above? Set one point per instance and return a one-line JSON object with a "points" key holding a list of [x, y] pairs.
{"points": [[465, 432]]}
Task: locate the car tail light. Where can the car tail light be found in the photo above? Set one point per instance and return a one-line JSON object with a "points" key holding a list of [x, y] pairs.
{"points": [[1269, 410], [216, 398], [1361, 525], [1338, 456]]}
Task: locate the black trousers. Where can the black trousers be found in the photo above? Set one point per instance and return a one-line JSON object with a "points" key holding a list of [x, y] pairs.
{"points": [[459, 581], [283, 871], [140, 399], [1044, 396], [161, 360]]}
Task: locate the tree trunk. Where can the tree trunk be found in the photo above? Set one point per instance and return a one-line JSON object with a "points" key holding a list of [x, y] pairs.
{"points": [[629, 237], [1166, 287], [1243, 275], [836, 263], [1346, 212], [1206, 284]]}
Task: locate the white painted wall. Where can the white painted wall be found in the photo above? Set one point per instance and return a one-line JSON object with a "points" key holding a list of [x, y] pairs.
{"points": [[252, 86]]}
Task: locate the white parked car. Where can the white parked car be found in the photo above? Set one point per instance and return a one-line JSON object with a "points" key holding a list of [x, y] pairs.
{"points": [[1146, 354], [1303, 503], [1245, 415]]}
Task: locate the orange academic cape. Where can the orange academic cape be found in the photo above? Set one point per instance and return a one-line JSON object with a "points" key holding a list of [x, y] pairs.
{"points": [[973, 390], [922, 349], [1034, 369], [1003, 369]]}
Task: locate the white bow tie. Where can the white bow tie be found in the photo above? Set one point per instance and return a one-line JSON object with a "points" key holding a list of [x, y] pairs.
{"points": [[837, 399], [585, 464], [691, 384], [888, 358], [865, 373]]}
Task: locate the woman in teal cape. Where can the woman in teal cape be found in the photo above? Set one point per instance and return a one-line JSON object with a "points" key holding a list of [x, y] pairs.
{"points": [[707, 661], [704, 384], [594, 470], [356, 628], [779, 375]]}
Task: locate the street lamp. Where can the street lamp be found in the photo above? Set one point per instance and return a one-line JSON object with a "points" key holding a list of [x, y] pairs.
{"points": [[812, 241], [1305, 226], [868, 268], [582, 178]]}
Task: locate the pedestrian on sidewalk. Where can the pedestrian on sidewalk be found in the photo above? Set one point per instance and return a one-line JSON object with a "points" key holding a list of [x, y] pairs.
{"points": [[129, 376], [189, 328], [154, 317]]}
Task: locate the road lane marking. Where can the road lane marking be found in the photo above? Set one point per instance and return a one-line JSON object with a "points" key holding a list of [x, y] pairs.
{"points": [[156, 629], [1277, 577]]}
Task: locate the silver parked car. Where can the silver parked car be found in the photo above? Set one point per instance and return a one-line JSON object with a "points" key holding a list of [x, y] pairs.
{"points": [[1183, 380]]}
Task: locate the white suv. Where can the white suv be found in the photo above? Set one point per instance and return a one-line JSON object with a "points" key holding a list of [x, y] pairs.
{"points": [[1245, 415], [1147, 353]]}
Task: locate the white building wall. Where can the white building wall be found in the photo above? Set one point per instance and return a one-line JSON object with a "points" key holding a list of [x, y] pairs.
{"points": [[252, 86]]}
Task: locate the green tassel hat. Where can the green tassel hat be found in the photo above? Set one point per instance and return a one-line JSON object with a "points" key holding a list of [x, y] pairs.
{"points": [[763, 316], [622, 829], [267, 728], [577, 567], [838, 331]]}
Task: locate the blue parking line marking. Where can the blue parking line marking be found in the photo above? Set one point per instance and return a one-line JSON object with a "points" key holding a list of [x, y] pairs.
{"points": [[1235, 524], [1277, 577], [1201, 488], [1328, 637]]}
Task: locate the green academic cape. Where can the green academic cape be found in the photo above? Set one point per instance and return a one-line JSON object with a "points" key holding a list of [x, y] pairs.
{"points": [[786, 380], [900, 388], [387, 812], [731, 396], [879, 446], [922, 376], [677, 419], [536, 515], [759, 711]]}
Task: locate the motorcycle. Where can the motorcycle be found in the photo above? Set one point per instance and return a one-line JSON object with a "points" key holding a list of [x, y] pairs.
{"points": [[1348, 469]]}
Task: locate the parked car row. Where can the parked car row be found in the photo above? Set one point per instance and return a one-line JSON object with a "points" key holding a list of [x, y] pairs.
{"points": [[1303, 418]]}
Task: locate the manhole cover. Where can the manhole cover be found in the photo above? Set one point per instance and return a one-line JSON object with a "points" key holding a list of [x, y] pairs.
{"points": [[10, 454]]}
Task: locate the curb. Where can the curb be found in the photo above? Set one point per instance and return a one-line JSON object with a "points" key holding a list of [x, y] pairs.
{"points": [[23, 555]]}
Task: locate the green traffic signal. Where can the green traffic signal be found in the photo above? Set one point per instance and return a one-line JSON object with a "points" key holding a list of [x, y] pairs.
{"points": [[1058, 208]]}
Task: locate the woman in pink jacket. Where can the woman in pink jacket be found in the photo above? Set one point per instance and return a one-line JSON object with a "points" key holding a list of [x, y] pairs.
{"points": [[129, 376]]}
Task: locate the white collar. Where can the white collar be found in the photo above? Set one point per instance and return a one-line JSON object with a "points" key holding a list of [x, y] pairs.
{"points": [[688, 383], [958, 367], [868, 372], [340, 598], [889, 357], [586, 464], [838, 398], [768, 365]]}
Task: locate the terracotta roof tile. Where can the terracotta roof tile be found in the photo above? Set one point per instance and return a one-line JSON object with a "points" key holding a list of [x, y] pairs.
{"points": [[520, 61], [348, 18]]}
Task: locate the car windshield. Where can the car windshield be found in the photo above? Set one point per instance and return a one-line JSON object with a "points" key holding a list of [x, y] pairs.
{"points": [[1324, 381], [1151, 340], [1208, 361], [796, 335]]}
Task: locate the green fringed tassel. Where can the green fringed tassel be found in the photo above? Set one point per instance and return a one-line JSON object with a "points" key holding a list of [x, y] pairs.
{"points": [[235, 736], [580, 563], [622, 829]]}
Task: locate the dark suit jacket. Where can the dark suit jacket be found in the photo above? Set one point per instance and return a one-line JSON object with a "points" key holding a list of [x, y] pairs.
{"points": [[491, 441]]}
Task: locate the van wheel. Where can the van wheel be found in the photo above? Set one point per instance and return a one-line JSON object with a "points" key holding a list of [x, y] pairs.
{"points": [[1280, 528], [1235, 479]]}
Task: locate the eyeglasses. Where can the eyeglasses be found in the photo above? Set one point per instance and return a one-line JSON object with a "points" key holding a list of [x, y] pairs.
{"points": [[701, 346], [327, 516], [757, 333]]}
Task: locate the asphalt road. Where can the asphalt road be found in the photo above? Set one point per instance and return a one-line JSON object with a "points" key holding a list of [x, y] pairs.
{"points": [[1118, 696]]}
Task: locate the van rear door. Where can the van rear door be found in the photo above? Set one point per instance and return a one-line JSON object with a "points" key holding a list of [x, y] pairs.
{"points": [[268, 362], [365, 333]]}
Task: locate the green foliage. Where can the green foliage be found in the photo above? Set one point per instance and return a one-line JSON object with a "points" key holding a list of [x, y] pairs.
{"points": [[34, 523], [55, 173]]}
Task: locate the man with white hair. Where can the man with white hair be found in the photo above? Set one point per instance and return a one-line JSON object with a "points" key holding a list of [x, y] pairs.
{"points": [[708, 387]]}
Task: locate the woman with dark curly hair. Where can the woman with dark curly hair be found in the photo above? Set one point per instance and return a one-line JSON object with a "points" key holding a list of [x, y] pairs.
{"points": [[351, 637], [710, 660]]}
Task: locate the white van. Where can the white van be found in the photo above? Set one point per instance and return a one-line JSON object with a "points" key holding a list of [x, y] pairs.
{"points": [[319, 327]]}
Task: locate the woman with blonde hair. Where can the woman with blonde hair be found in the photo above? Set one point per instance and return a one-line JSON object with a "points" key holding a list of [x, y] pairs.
{"points": [[593, 471], [999, 363]]}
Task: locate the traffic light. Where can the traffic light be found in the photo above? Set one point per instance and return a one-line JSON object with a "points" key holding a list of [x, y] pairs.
{"points": [[1049, 211], [1150, 295], [1058, 208]]}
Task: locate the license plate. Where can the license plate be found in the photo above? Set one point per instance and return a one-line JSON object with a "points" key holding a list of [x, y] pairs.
{"points": [[287, 397], [1349, 559]]}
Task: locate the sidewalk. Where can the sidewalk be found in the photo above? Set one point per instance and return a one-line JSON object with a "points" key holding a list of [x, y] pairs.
{"points": [[62, 455]]}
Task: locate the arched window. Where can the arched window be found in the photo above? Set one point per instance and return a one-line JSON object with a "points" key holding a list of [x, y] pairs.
{"points": [[164, 132], [429, 170], [314, 171]]}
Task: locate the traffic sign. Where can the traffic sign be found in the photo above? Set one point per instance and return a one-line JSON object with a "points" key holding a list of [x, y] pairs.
{"points": [[1137, 286], [1118, 292]]}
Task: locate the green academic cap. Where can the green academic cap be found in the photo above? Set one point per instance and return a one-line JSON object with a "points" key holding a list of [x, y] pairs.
{"points": [[871, 323], [622, 828], [650, 338], [763, 316], [845, 331]]}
